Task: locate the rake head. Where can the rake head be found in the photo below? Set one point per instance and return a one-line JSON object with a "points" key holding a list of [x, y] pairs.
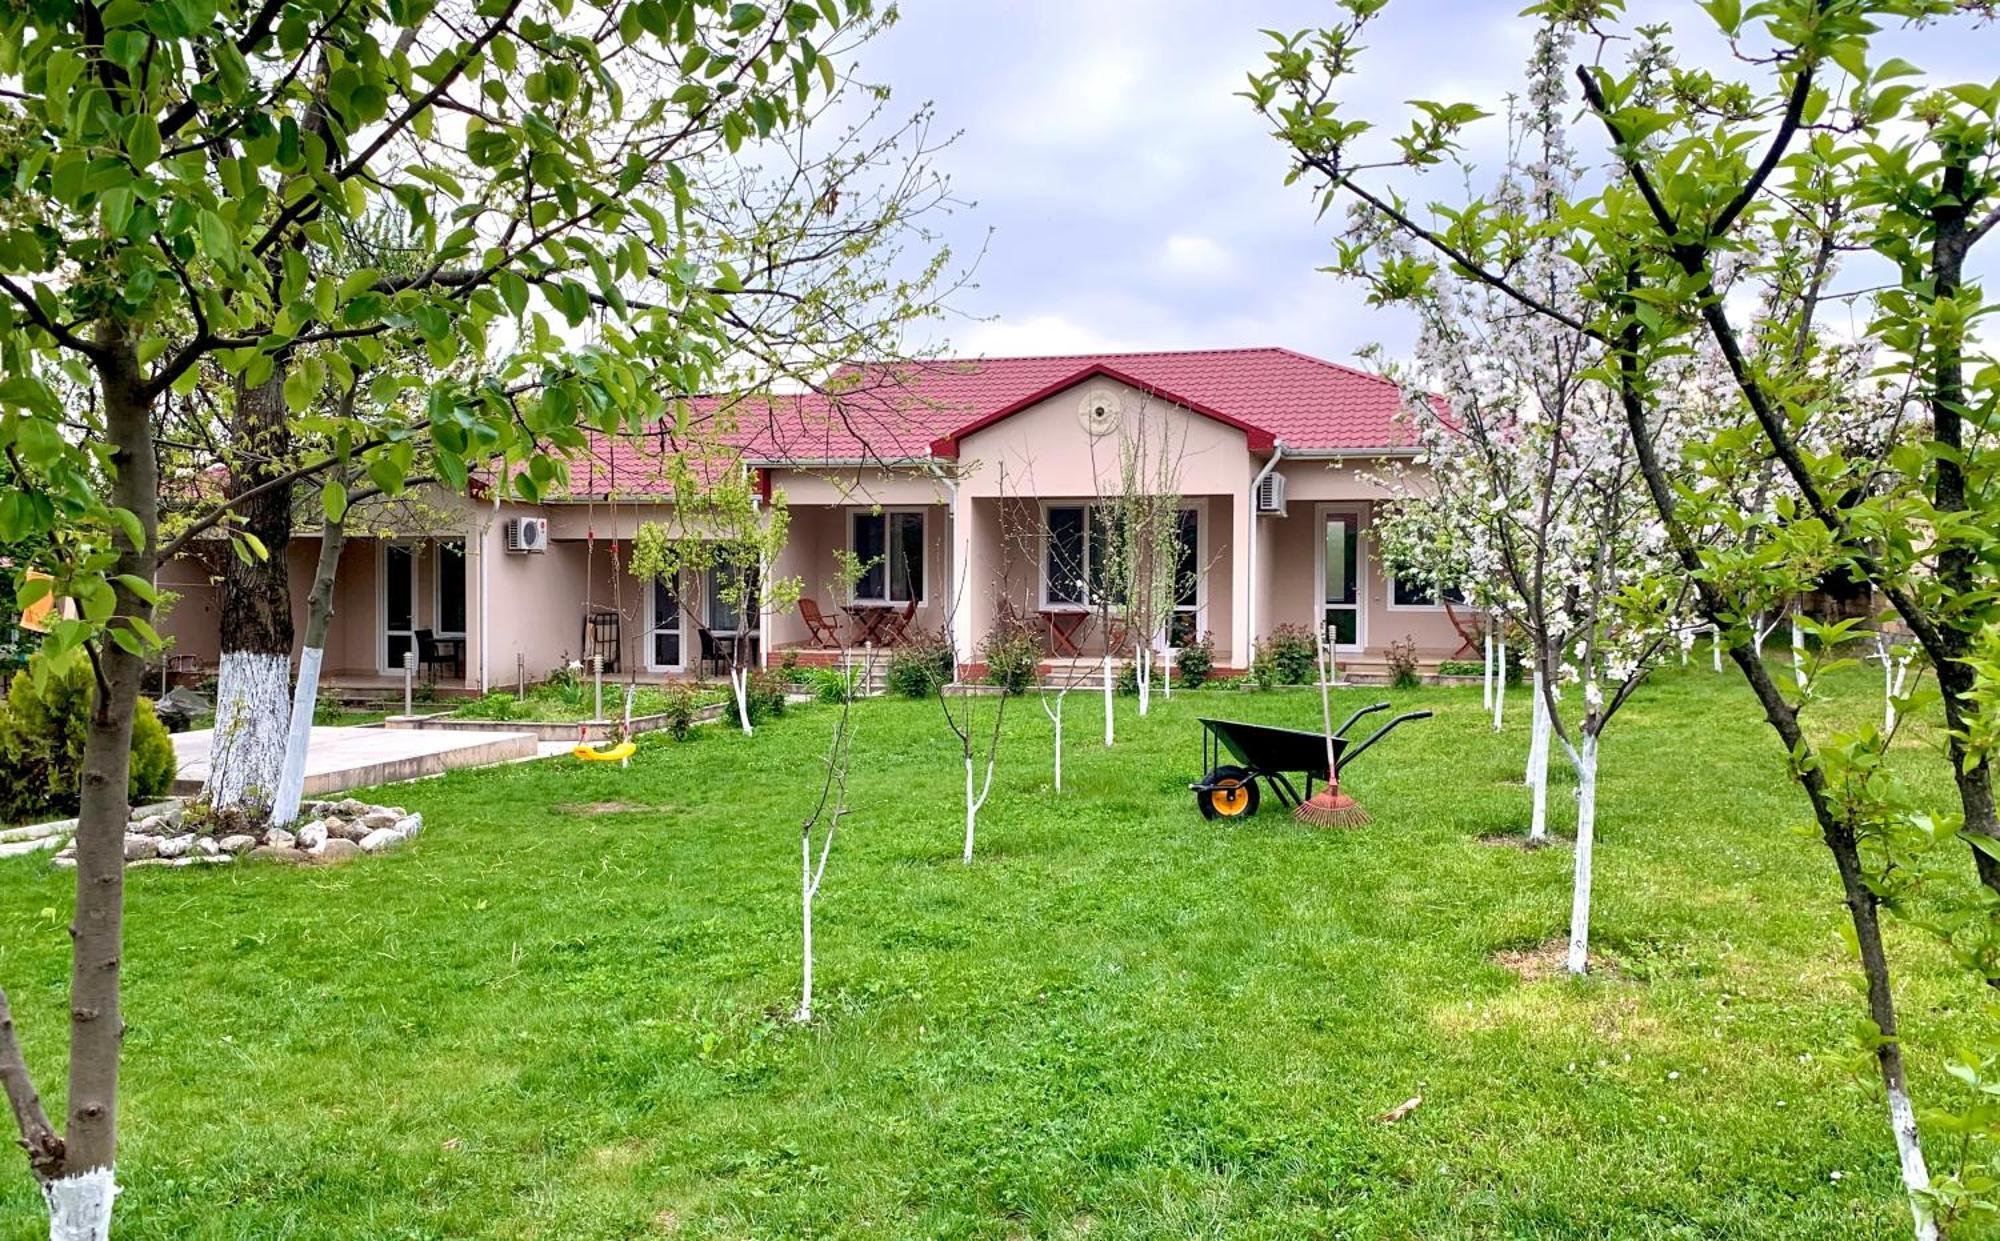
{"points": [[1331, 808]]}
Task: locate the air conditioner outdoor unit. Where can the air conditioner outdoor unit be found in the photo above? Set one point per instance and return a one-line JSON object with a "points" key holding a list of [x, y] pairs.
{"points": [[527, 534], [1271, 495]]}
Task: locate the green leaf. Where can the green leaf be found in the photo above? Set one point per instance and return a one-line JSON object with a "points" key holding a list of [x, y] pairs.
{"points": [[333, 499], [218, 240], [142, 145]]}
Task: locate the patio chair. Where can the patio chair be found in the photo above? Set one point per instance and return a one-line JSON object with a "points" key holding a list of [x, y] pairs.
{"points": [[1471, 629], [897, 626], [433, 655], [822, 630], [711, 652]]}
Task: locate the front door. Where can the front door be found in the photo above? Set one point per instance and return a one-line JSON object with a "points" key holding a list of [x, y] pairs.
{"points": [[399, 604], [1341, 597]]}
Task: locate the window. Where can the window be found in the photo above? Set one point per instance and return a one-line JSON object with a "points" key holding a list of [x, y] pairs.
{"points": [[1182, 629], [666, 630], [890, 547], [724, 617], [1416, 594], [1341, 579], [451, 590], [1077, 555], [399, 603]]}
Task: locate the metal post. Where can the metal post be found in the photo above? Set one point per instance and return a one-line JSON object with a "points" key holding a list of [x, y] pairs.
{"points": [[597, 667], [409, 681], [520, 677]]}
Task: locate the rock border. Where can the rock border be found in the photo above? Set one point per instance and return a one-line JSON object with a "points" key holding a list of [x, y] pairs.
{"points": [[330, 832]]}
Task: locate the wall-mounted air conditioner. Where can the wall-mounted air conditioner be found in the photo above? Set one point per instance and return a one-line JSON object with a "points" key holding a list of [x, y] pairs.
{"points": [[527, 534], [1271, 495]]}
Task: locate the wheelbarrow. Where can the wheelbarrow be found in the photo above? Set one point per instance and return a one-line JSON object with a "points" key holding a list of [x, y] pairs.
{"points": [[1266, 753]]}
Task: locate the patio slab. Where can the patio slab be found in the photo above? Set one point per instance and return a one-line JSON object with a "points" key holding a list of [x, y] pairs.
{"points": [[347, 758]]}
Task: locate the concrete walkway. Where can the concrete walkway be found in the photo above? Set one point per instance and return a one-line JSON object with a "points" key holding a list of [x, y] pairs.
{"points": [[348, 758]]}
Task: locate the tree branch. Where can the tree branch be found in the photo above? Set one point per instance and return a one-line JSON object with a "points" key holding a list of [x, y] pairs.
{"points": [[44, 1146]]}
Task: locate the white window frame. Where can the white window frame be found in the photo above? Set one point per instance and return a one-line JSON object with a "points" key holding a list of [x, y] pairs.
{"points": [[884, 512], [382, 547], [653, 627], [1197, 505], [437, 585], [1389, 600], [1363, 578]]}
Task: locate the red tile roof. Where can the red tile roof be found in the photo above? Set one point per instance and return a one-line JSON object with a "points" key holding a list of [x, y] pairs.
{"points": [[905, 412]]}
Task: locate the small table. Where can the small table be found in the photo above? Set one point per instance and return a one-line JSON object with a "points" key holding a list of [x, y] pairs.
{"points": [[868, 622], [1064, 625]]}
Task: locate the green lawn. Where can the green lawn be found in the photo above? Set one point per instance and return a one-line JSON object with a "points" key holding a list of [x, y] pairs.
{"points": [[560, 1013]]}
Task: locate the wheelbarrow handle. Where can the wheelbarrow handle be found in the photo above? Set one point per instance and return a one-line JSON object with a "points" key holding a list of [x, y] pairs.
{"points": [[1348, 758], [1342, 730]]}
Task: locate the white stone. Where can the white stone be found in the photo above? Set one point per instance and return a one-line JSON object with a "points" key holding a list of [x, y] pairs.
{"points": [[176, 846], [206, 846], [238, 843], [379, 818], [380, 839], [410, 825], [312, 835], [139, 847], [153, 825], [279, 838]]}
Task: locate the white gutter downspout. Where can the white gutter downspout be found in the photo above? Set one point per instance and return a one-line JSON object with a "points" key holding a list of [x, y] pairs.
{"points": [[1277, 455], [484, 528]]}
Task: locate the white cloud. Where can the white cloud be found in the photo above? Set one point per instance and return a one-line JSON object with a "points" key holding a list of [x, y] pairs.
{"points": [[1034, 335], [1196, 259]]}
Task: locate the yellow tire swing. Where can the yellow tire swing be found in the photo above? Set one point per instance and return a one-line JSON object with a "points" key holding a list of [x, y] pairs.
{"points": [[625, 749]]}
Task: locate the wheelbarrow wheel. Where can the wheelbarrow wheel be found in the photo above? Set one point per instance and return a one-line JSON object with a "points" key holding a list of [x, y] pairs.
{"points": [[1228, 793]]}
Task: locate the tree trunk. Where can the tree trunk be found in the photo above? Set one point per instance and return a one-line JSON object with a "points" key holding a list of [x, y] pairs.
{"points": [[1056, 718], [81, 1188], [971, 806], [1142, 662], [739, 685], [253, 690], [1586, 839], [806, 926], [1538, 766], [1486, 673], [1109, 689], [305, 694], [1499, 681]]}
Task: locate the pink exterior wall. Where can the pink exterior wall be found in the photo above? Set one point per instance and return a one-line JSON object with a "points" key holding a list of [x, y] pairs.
{"points": [[1292, 546]]}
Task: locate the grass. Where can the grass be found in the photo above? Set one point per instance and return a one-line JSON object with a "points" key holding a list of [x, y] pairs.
{"points": [[576, 702], [560, 1013]]}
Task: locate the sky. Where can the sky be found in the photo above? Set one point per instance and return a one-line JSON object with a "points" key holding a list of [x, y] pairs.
{"points": [[1128, 199]]}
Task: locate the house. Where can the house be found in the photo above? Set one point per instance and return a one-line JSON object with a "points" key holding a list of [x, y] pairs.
{"points": [[967, 483]]}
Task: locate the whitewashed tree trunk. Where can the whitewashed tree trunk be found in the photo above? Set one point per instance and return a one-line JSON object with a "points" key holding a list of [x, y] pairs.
{"points": [[971, 810], [805, 927], [739, 685], [1055, 715], [1538, 765], [80, 1205], [1486, 674], [1109, 689], [246, 756], [1586, 835], [1910, 1155], [298, 741], [1142, 663], [1167, 673], [1499, 682], [1798, 652], [1715, 649]]}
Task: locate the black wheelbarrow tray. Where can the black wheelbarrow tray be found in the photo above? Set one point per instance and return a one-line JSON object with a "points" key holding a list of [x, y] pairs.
{"points": [[1268, 754]]}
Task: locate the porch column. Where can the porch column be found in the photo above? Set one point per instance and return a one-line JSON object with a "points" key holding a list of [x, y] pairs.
{"points": [[475, 600], [966, 566], [1243, 534]]}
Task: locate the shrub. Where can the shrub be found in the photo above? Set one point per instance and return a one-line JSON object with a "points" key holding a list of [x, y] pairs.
{"points": [[1263, 667], [1195, 662], [832, 685], [1013, 659], [1292, 654], [764, 696], [921, 664], [679, 707], [1461, 668], [42, 736], [1402, 658], [1128, 678]]}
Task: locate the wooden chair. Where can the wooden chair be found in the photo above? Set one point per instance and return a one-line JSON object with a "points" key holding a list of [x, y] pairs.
{"points": [[711, 652], [1471, 630], [822, 630], [897, 626]]}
